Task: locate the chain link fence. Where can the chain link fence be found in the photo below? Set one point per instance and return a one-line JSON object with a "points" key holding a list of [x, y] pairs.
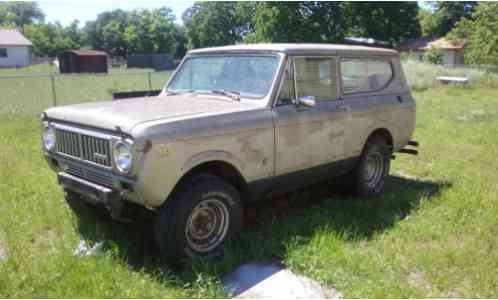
{"points": [[31, 94]]}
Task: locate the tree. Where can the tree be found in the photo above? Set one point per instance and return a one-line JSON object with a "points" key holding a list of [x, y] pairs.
{"points": [[213, 24], [151, 31], [221, 23], [107, 32], [430, 23], [480, 33], [387, 21], [20, 13], [442, 16], [49, 39], [452, 12], [120, 32], [297, 22]]}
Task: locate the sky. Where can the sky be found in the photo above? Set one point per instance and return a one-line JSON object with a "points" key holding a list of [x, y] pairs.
{"points": [[87, 10]]}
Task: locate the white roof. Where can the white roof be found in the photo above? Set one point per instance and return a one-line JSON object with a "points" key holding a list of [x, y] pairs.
{"points": [[12, 37], [296, 49]]}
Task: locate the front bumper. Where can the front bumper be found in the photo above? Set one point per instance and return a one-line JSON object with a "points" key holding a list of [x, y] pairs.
{"points": [[92, 192], [99, 195]]}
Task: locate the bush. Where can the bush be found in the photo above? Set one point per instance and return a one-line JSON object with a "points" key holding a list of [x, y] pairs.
{"points": [[434, 56]]}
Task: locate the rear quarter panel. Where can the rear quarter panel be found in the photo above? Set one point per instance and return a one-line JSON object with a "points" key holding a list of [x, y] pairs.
{"points": [[392, 108]]}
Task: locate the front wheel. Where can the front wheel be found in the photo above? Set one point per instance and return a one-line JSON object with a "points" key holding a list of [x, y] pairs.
{"points": [[199, 217], [373, 167]]}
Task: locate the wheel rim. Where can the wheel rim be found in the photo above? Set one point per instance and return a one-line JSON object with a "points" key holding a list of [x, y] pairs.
{"points": [[207, 225], [374, 169]]}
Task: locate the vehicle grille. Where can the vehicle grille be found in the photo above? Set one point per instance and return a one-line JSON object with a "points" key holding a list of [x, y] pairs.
{"points": [[85, 147], [90, 175]]}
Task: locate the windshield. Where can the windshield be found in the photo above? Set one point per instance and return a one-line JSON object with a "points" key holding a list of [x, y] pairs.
{"points": [[249, 76]]}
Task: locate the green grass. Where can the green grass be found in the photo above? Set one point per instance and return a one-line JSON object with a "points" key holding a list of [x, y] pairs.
{"points": [[29, 90], [422, 76], [434, 233]]}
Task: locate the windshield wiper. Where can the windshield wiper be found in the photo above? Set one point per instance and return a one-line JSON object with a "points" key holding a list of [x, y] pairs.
{"points": [[231, 94], [172, 93]]}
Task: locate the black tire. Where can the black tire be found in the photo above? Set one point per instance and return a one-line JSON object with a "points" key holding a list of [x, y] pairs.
{"points": [[178, 228], [372, 168]]}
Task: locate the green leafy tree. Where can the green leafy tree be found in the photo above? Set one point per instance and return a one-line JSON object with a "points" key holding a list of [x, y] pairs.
{"points": [[107, 32], [222, 23], [151, 31], [387, 21], [49, 39], [451, 12], [122, 32], [480, 33], [430, 23], [442, 16], [213, 24], [20, 13], [298, 22]]}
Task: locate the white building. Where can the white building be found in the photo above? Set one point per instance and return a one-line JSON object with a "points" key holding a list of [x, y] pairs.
{"points": [[453, 51], [15, 49]]}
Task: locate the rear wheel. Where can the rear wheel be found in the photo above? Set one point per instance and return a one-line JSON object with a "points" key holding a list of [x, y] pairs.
{"points": [[373, 167], [199, 217]]}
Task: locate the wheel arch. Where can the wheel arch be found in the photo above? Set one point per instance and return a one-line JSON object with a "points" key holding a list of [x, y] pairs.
{"points": [[218, 167], [382, 133]]}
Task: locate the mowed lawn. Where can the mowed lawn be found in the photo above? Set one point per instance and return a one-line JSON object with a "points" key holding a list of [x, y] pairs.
{"points": [[31, 90], [434, 233]]}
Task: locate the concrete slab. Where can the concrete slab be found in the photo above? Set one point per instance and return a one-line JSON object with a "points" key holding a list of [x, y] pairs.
{"points": [[270, 280]]}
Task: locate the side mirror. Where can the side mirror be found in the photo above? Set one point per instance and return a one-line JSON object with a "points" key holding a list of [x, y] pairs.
{"points": [[308, 101]]}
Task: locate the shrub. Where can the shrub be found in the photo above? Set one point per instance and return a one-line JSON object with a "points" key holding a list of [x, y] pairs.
{"points": [[434, 56]]}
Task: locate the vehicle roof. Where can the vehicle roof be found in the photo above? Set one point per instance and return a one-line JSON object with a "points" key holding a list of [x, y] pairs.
{"points": [[298, 49]]}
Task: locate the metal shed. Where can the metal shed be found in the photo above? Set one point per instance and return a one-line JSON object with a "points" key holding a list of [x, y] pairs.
{"points": [[83, 61]]}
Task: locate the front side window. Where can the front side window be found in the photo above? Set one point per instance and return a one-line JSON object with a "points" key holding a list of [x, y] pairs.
{"points": [[316, 77], [3, 52], [363, 75], [249, 76]]}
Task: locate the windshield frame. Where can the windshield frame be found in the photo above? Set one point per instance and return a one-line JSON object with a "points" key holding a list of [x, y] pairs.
{"points": [[274, 80]]}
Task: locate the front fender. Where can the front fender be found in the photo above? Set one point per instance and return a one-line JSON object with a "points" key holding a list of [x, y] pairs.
{"points": [[212, 155]]}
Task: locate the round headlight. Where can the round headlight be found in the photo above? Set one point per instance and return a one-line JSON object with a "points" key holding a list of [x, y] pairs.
{"points": [[49, 138], [123, 157]]}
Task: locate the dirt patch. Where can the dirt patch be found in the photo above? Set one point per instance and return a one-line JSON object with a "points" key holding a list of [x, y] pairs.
{"points": [[418, 280], [3, 251]]}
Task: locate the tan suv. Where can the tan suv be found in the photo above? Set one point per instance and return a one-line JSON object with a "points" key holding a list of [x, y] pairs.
{"points": [[233, 125]]}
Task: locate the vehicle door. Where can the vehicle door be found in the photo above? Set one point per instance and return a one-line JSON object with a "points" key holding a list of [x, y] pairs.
{"points": [[308, 136]]}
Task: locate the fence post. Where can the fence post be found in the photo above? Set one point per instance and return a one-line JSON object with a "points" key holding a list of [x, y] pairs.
{"points": [[54, 95], [150, 80]]}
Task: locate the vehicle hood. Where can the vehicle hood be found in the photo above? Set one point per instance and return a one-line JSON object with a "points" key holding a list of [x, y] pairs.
{"points": [[130, 112]]}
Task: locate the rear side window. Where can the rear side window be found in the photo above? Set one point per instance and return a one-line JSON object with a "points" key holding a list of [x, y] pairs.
{"points": [[364, 75], [316, 77]]}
